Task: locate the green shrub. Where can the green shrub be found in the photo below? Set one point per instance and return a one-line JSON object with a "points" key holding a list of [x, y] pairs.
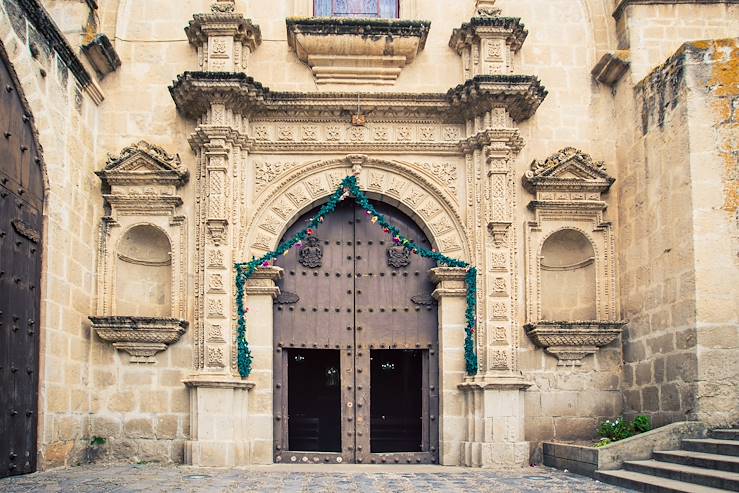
{"points": [[642, 424], [621, 428]]}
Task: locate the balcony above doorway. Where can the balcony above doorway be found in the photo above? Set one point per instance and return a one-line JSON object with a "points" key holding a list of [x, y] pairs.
{"points": [[356, 50]]}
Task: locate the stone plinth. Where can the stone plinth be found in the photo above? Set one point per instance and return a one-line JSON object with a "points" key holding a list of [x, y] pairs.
{"points": [[218, 421], [494, 411]]}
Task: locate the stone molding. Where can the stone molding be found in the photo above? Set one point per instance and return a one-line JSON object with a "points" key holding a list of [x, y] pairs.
{"points": [[194, 92], [450, 280], [622, 5], [216, 381], [570, 342], [356, 51], [141, 337], [263, 282]]}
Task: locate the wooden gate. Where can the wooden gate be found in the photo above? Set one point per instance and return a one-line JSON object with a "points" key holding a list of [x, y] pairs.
{"points": [[356, 337], [21, 203]]}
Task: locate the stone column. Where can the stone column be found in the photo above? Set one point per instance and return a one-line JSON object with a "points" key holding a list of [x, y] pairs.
{"points": [[261, 292], [451, 294]]}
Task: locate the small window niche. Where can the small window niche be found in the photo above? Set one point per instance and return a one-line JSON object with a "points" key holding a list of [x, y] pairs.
{"points": [[141, 274], [571, 304]]}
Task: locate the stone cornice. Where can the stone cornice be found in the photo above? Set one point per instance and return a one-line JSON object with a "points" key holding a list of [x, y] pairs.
{"points": [[623, 4], [194, 92], [521, 95], [512, 26]]}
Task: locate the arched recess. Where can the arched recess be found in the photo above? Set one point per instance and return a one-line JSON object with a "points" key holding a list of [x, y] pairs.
{"points": [[568, 276], [396, 184], [143, 273]]}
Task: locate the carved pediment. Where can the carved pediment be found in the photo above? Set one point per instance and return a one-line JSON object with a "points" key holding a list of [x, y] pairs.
{"points": [[143, 164], [568, 169]]}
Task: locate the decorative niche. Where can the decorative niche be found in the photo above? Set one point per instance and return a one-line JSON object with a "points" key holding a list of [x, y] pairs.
{"points": [[345, 50], [141, 254], [571, 306]]}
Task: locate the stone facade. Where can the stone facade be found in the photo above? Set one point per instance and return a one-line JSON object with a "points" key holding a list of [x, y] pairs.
{"points": [[586, 206]]}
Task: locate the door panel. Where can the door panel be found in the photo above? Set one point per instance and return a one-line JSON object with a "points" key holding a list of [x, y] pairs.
{"points": [[21, 202], [353, 290]]}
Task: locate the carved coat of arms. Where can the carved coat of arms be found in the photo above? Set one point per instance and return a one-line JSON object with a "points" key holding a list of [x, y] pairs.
{"points": [[398, 256], [311, 254]]}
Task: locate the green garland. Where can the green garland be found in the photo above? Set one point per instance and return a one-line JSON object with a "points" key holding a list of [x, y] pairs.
{"points": [[350, 187]]}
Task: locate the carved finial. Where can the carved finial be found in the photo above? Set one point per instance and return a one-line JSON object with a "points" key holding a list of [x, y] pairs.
{"points": [[486, 8], [223, 6]]}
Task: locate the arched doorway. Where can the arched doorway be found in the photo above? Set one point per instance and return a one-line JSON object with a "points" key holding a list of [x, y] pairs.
{"points": [[21, 208], [356, 337]]}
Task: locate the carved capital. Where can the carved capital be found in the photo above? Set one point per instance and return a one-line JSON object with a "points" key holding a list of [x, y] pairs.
{"points": [[499, 232], [262, 282], [450, 282]]}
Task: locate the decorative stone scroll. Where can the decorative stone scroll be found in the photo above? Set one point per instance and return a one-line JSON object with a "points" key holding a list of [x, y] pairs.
{"points": [[142, 288], [570, 262]]}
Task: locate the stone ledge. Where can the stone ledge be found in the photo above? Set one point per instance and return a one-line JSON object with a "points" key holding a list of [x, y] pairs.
{"points": [[141, 337], [623, 4], [356, 51], [611, 67], [217, 381], [571, 341]]}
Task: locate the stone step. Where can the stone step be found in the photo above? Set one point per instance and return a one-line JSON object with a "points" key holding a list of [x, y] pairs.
{"points": [[699, 459], [651, 484], [711, 446], [726, 434], [687, 474]]}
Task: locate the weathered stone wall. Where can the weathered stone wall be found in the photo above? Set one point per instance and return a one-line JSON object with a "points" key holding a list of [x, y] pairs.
{"points": [[66, 119], [713, 72], [677, 238], [656, 262], [655, 32]]}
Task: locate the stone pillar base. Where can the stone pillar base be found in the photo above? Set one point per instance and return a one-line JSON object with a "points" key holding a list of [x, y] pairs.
{"points": [[218, 421], [494, 409]]}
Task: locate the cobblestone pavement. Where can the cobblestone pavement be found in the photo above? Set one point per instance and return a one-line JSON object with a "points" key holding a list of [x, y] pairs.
{"points": [[365, 479]]}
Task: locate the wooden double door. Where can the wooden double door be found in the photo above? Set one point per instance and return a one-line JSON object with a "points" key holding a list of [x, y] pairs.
{"points": [[356, 363]]}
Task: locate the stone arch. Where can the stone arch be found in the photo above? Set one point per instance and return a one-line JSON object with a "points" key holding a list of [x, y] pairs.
{"points": [[395, 183]]}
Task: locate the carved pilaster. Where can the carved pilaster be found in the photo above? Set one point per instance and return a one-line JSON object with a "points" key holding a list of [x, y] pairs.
{"points": [[219, 149]]}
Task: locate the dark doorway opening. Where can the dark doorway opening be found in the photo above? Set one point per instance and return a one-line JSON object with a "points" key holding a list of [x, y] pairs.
{"points": [[396, 400], [314, 400]]}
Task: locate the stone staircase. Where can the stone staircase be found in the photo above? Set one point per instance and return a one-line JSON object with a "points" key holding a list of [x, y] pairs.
{"points": [[701, 465]]}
